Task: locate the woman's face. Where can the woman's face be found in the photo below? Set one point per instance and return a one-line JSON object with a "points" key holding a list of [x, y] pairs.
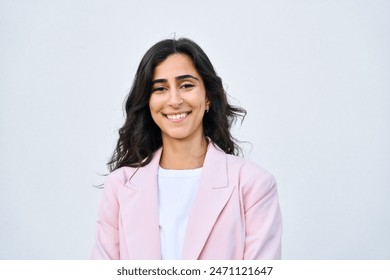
{"points": [[178, 100]]}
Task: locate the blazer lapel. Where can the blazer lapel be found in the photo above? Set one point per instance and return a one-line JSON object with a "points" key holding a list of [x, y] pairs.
{"points": [[213, 194], [139, 212]]}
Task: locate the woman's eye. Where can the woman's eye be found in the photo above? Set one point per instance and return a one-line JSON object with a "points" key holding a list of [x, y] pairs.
{"points": [[158, 89], [187, 86]]}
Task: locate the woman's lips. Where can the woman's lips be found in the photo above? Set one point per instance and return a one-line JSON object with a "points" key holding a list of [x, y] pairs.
{"points": [[176, 117]]}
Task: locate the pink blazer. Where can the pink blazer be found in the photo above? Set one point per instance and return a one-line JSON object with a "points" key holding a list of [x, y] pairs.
{"points": [[235, 214]]}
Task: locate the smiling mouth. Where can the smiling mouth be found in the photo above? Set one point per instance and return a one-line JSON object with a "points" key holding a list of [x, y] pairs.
{"points": [[176, 117]]}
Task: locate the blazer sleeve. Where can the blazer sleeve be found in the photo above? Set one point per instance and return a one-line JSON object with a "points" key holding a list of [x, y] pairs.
{"points": [[107, 232], [263, 220]]}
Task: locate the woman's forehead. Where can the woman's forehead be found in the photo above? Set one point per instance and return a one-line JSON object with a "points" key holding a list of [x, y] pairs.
{"points": [[173, 66]]}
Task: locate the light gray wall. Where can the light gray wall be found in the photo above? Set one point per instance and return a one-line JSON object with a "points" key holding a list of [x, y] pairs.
{"points": [[313, 75]]}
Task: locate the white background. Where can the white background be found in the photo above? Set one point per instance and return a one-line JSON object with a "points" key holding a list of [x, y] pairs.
{"points": [[313, 75]]}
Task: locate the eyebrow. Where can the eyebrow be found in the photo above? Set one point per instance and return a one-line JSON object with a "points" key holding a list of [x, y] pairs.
{"points": [[178, 78]]}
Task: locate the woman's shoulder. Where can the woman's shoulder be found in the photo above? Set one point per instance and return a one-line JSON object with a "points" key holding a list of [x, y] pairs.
{"points": [[249, 172], [247, 166], [119, 177], [254, 182], [245, 169]]}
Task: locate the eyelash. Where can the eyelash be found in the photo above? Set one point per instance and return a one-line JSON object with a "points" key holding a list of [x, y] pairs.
{"points": [[187, 86], [158, 89], [184, 86]]}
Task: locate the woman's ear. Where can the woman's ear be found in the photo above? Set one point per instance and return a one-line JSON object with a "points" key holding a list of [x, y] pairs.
{"points": [[207, 106]]}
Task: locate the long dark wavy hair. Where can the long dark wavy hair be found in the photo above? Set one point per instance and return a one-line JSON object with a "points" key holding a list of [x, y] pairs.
{"points": [[140, 137]]}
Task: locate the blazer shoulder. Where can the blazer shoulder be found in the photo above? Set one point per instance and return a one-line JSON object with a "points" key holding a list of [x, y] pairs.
{"points": [[248, 169], [119, 177], [253, 181]]}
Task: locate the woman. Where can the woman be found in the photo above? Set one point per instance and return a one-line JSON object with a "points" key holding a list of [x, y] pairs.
{"points": [[177, 190]]}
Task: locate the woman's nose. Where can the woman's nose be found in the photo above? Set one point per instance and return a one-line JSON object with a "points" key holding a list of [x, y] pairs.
{"points": [[174, 98]]}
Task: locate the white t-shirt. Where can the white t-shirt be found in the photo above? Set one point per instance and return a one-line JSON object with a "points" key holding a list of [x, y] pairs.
{"points": [[176, 193]]}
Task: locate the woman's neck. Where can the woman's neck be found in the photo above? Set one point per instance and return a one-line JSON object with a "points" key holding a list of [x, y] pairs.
{"points": [[183, 154]]}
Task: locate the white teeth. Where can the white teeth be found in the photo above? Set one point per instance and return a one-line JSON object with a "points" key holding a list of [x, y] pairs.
{"points": [[177, 116]]}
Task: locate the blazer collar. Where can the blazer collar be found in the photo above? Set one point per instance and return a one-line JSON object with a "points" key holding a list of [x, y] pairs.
{"points": [[139, 203]]}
